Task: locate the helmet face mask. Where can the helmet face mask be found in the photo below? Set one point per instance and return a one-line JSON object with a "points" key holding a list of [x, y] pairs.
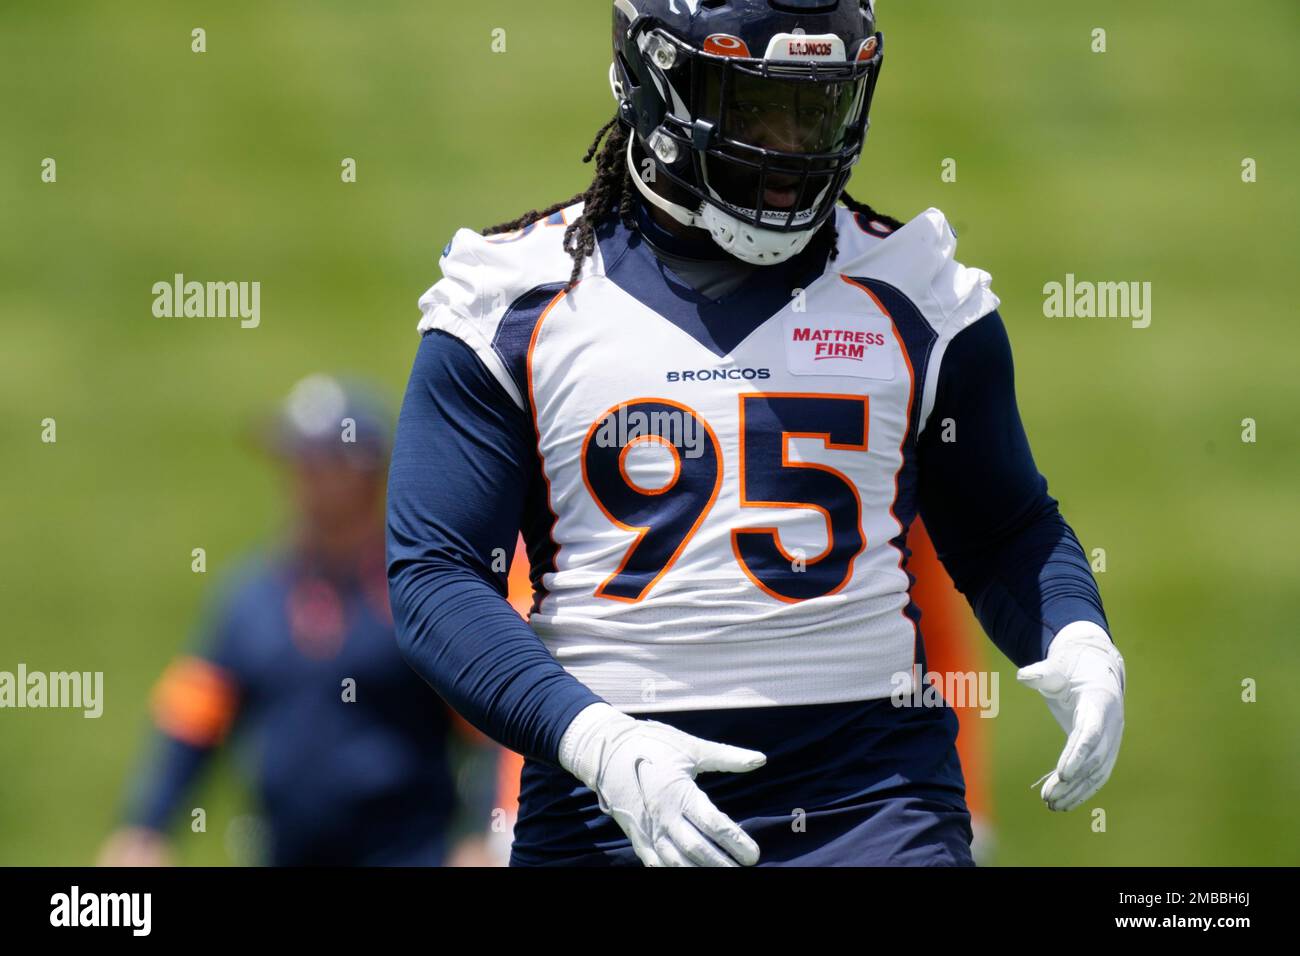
{"points": [[763, 144], [779, 142]]}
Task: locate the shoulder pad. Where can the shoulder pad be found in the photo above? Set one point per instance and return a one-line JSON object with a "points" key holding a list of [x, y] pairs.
{"points": [[919, 258], [482, 277]]}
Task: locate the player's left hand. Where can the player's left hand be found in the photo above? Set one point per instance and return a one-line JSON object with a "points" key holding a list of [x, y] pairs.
{"points": [[1082, 678]]}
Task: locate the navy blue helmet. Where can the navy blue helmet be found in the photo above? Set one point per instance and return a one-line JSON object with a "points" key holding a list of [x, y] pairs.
{"points": [[748, 115]]}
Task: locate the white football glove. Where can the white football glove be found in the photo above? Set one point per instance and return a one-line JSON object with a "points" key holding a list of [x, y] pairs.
{"points": [[644, 775], [1082, 678]]}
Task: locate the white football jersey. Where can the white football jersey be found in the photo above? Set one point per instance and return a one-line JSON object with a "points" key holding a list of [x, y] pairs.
{"points": [[729, 483]]}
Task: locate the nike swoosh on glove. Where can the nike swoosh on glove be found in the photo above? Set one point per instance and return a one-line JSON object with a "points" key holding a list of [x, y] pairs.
{"points": [[1082, 678], [643, 772]]}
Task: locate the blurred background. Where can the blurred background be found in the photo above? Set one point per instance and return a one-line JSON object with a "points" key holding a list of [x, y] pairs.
{"points": [[225, 165]]}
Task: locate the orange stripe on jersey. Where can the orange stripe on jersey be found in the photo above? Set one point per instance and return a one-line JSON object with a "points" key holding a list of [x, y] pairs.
{"points": [[195, 702], [537, 424], [907, 426]]}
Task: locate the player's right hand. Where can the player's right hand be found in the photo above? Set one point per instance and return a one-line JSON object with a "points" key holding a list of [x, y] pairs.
{"points": [[644, 775]]}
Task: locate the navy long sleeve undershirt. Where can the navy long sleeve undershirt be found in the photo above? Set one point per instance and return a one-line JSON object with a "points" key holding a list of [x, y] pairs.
{"points": [[165, 780], [997, 531], [464, 457], [462, 461]]}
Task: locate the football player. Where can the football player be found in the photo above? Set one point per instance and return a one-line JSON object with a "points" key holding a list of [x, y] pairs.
{"points": [[714, 391]]}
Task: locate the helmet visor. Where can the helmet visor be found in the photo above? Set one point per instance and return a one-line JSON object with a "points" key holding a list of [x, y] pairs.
{"points": [[798, 116], [780, 141]]}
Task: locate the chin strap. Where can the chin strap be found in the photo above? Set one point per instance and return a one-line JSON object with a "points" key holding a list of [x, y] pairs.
{"points": [[747, 243], [680, 213]]}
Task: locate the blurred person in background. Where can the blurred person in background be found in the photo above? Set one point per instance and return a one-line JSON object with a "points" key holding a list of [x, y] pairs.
{"points": [[351, 752]]}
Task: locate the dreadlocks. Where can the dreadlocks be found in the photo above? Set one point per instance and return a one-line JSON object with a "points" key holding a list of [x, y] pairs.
{"points": [[612, 192], [867, 213]]}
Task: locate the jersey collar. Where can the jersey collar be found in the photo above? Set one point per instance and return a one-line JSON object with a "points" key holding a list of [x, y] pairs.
{"points": [[719, 325]]}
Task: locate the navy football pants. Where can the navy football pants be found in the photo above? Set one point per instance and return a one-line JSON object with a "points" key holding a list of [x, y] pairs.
{"points": [[857, 784]]}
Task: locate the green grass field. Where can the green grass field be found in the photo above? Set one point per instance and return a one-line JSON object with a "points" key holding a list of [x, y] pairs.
{"points": [[1123, 165]]}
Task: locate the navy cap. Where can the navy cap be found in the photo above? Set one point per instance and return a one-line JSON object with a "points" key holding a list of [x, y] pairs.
{"points": [[323, 413]]}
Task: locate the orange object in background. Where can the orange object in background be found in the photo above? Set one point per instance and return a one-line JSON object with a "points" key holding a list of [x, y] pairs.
{"points": [[952, 645], [195, 702], [521, 599]]}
